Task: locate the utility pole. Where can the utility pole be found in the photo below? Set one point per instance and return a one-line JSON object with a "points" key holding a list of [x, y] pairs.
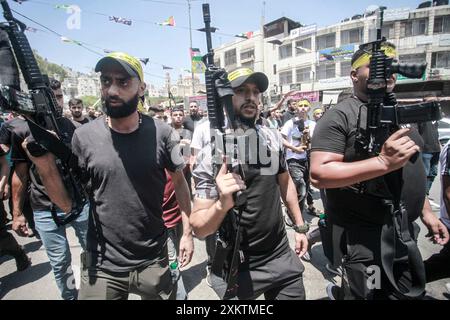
{"points": [[190, 38]]}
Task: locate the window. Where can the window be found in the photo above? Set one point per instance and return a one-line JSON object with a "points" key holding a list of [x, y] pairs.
{"points": [[441, 60], [247, 54], [301, 45], [388, 31], [352, 36], [326, 41], [326, 71], [414, 27], [413, 58], [346, 68], [249, 64], [285, 78], [285, 51], [303, 74], [230, 57], [442, 24]]}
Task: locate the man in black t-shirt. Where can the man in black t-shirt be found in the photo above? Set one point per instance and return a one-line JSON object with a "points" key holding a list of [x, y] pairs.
{"points": [[76, 109], [123, 157], [359, 197], [267, 264], [53, 237], [191, 121]]}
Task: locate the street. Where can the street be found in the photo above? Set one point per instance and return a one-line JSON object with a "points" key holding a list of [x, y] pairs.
{"points": [[37, 283]]}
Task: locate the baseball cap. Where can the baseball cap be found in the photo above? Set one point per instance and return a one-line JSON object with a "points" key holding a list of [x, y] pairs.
{"points": [[240, 76], [131, 65]]}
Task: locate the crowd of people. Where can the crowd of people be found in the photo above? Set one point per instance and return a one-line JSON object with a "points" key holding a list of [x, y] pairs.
{"points": [[154, 181]]}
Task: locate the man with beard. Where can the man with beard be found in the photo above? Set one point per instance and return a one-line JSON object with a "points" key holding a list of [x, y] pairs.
{"points": [[267, 264], [76, 109], [379, 261], [296, 134], [194, 117], [53, 236], [123, 158]]}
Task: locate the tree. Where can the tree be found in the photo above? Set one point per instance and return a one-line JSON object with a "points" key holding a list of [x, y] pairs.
{"points": [[89, 101]]}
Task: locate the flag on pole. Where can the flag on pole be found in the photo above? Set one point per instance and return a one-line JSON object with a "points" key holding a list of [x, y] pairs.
{"points": [[125, 21], [197, 63], [170, 22], [167, 68]]}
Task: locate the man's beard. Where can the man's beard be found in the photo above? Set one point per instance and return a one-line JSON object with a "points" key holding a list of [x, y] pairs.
{"points": [[126, 109], [249, 122], [76, 114]]}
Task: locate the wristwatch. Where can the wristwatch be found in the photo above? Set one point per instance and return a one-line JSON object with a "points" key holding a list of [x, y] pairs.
{"points": [[301, 229]]}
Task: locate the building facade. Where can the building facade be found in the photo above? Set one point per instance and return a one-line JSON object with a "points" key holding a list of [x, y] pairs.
{"points": [[317, 60]]}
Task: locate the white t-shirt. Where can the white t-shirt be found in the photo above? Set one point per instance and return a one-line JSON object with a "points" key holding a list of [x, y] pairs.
{"points": [[445, 171], [293, 136], [201, 136]]}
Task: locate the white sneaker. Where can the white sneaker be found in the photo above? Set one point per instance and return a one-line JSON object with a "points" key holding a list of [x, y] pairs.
{"points": [[332, 291]]}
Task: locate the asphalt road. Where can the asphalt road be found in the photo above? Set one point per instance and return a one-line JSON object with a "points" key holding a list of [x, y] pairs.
{"points": [[37, 283]]}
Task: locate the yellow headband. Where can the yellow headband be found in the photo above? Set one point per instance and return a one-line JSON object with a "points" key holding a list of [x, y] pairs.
{"points": [[365, 58], [303, 102], [317, 111], [241, 72]]}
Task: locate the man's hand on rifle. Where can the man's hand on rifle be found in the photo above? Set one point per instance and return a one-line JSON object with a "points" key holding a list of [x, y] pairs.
{"points": [[397, 150], [227, 185], [51, 178]]}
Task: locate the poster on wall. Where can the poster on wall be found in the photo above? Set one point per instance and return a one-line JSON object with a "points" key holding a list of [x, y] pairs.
{"points": [[337, 54]]}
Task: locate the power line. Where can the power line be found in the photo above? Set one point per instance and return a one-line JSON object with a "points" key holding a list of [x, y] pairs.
{"points": [[54, 32]]}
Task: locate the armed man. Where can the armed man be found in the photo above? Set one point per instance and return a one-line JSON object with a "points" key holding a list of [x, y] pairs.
{"points": [[360, 197], [123, 158], [267, 265]]}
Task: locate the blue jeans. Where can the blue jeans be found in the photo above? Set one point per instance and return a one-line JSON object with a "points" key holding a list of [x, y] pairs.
{"points": [[173, 247], [57, 247], [430, 164]]}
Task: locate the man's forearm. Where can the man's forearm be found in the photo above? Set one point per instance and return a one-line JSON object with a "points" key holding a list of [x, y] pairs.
{"points": [[290, 198], [343, 174], [19, 181], [184, 201], [207, 221]]}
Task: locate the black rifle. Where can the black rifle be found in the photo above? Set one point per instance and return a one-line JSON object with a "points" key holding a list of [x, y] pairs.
{"points": [[39, 107], [384, 117], [219, 99]]}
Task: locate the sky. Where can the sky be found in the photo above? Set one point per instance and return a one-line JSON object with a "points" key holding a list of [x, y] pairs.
{"points": [[165, 45]]}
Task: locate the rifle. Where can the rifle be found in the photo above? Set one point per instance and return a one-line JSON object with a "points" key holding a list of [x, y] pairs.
{"points": [[385, 116], [219, 99], [38, 107]]}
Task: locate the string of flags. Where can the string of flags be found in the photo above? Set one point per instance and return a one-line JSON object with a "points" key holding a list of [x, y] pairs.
{"points": [[170, 22], [124, 21]]}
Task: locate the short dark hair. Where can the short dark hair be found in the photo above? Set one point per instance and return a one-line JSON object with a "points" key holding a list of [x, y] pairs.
{"points": [[177, 109], [193, 102], [54, 84], [75, 101]]}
